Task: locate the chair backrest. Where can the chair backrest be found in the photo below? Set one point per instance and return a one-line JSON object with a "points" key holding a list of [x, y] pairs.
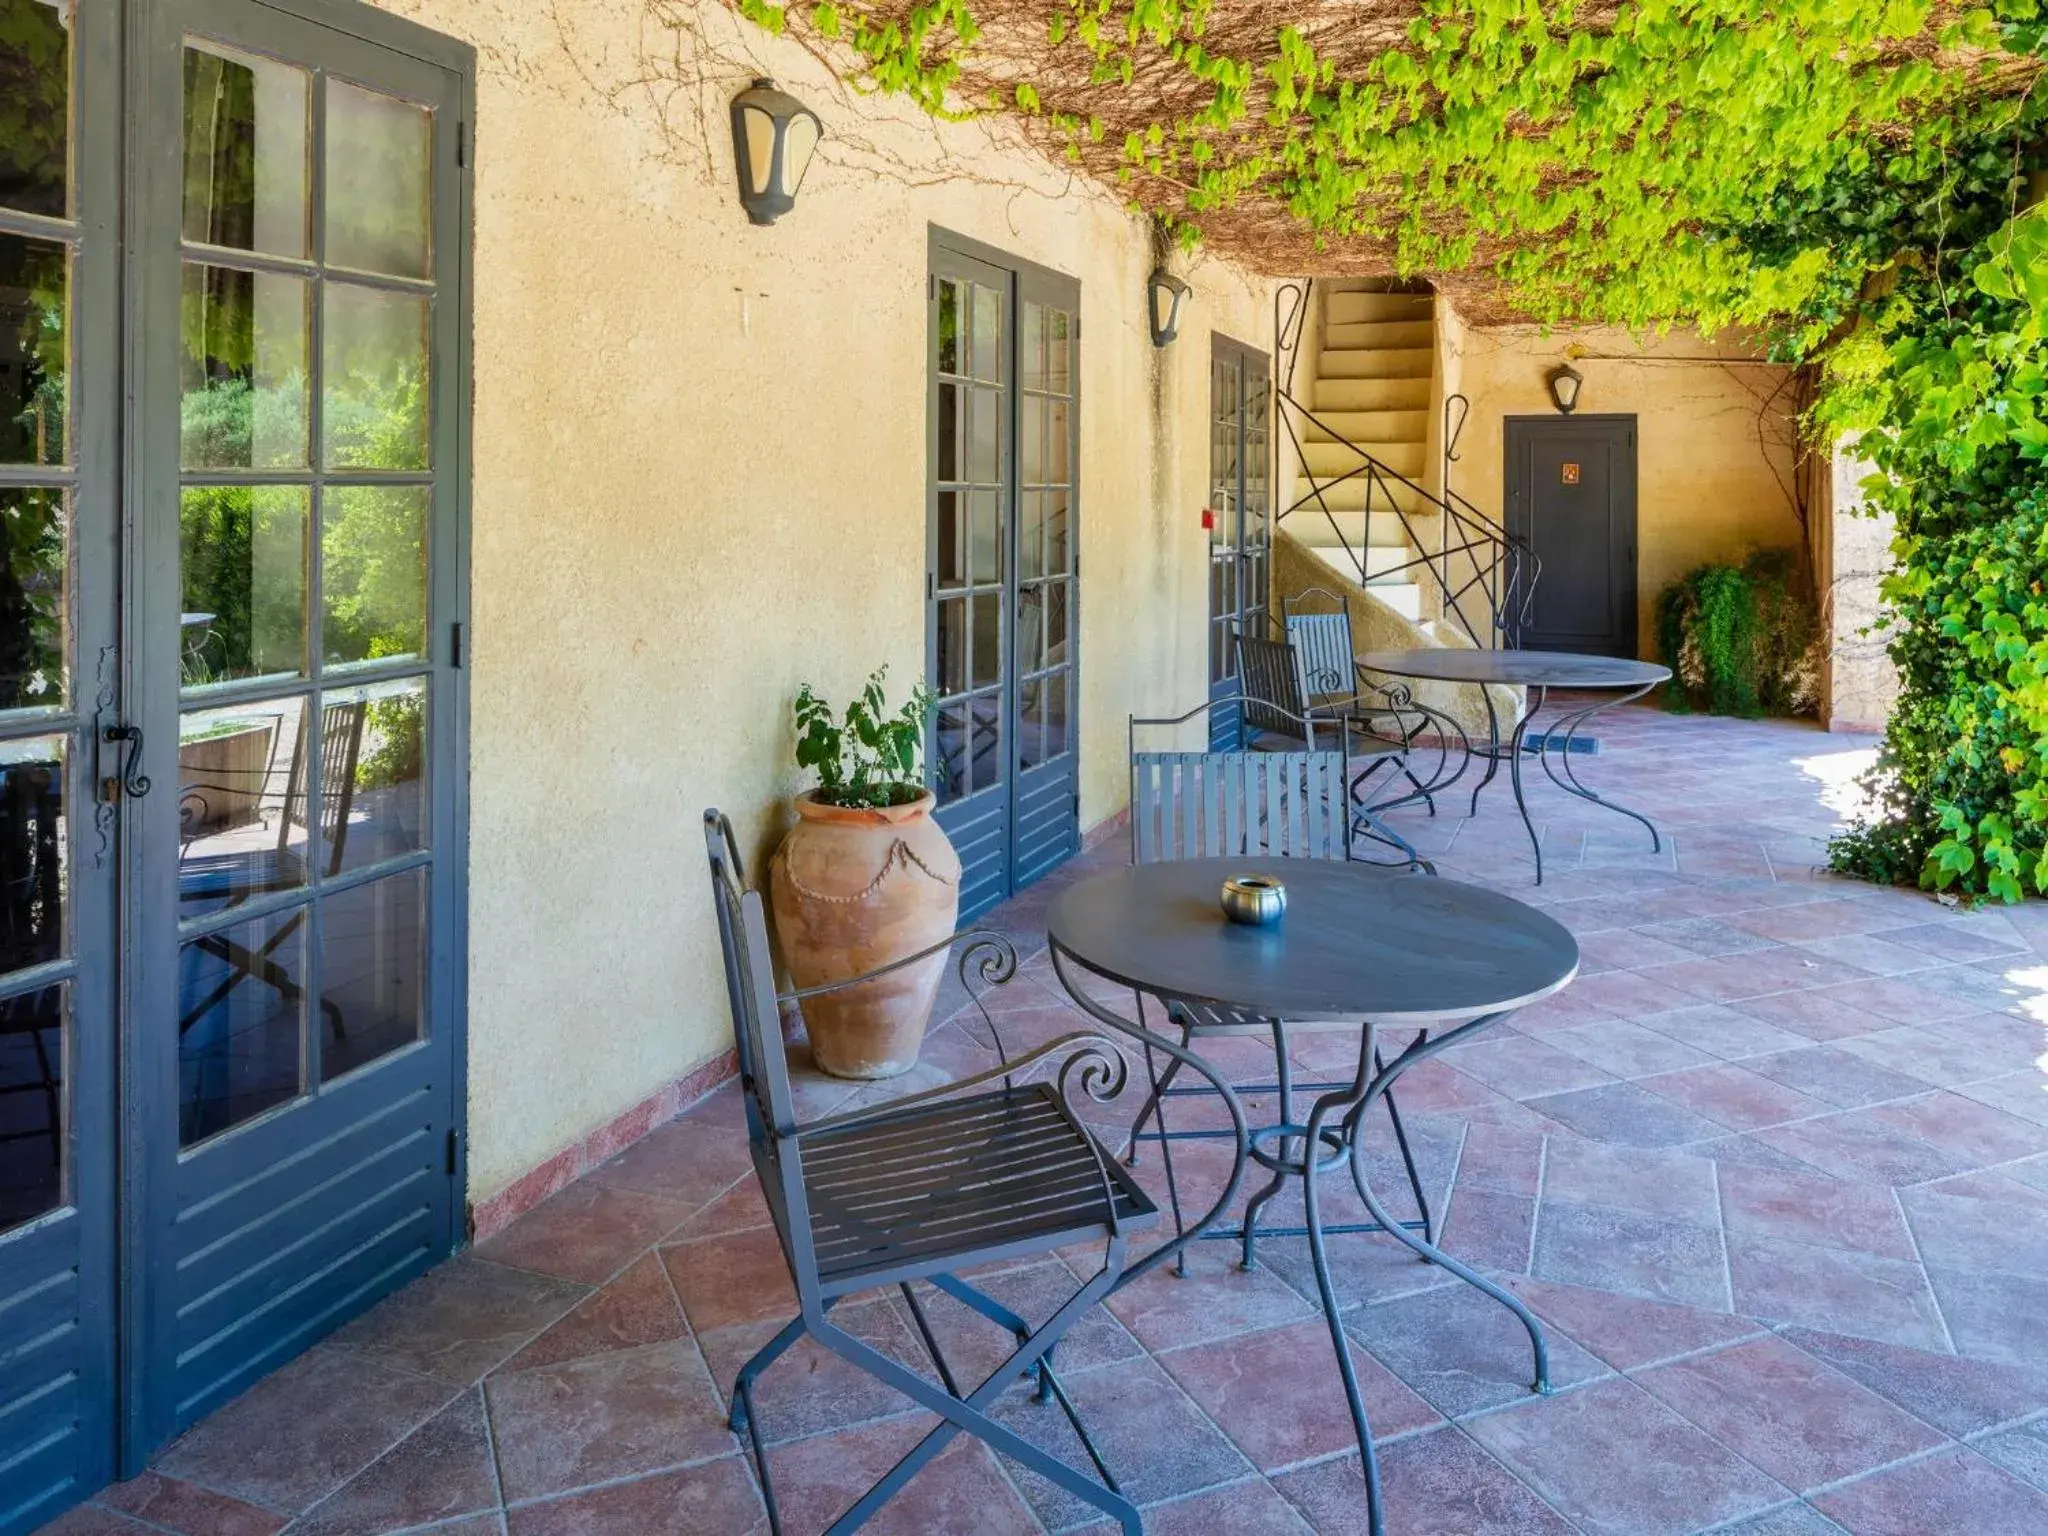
{"points": [[341, 746], [1328, 659], [1276, 693], [1198, 805], [749, 986]]}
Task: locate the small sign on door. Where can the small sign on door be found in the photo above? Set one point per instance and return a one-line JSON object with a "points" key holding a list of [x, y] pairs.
{"points": [[1571, 474]]}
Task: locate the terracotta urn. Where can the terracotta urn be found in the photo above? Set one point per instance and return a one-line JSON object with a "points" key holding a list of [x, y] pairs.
{"points": [[852, 890]]}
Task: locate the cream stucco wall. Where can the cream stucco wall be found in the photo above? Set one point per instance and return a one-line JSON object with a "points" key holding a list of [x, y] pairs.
{"points": [[699, 482], [1714, 435], [1862, 683]]}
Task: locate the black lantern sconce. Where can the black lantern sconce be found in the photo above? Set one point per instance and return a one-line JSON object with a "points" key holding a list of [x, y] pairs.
{"points": [[1564, 387], [773, 138], [1164, 293]]}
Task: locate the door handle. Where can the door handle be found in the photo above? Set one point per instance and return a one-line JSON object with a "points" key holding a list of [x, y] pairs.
{"points": [[125, 779]]}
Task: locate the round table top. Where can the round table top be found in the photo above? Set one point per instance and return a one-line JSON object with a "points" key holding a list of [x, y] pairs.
{"points": [[1357, 942], [1539, 669]]}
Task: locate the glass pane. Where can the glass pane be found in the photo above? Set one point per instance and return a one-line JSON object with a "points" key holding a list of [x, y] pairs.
{"points": [[985, 536], [1031, 347], [949, 326], [373, 754], [949, 431], [245, 152], [1031, 443], [987, 765], [988, 639], [949, 752], [1030, 535], [245, 370], [379, 171], [35, 282], [35, 584], [31, 1105], [1058, 442], [1058, 377], [1056, 557], [35, 82], [1030, 630], [373, 383], [1055, 623], [1055, 707], [242, 551], [32, 853], [1030, 723], [953, 647], [952, 547], [988, 335], [373, 971], [241, 1005], [242, 802], [373, 574], [985, 437]]}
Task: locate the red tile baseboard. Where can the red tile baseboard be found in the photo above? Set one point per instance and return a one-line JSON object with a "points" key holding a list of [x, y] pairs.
{"points": [[1104, 830], [498, 1211]]}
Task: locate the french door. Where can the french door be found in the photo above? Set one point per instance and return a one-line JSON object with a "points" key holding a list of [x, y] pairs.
{"points": [[1240, 499], [231, 711], [1003, 566]]}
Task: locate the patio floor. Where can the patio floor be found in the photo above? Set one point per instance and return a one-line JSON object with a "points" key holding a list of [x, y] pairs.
{"points": [[1774, 1169]]}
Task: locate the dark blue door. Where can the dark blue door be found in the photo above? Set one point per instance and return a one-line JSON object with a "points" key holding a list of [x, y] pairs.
{"points": [[1240, 487], [1002, 590]]}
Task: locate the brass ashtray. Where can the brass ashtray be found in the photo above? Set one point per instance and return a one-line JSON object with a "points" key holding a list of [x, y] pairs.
{"points": [[1256, 900]]}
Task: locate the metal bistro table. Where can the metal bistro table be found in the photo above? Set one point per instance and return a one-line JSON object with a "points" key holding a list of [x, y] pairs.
{"points": [[1539, 672], [1359, 946]]}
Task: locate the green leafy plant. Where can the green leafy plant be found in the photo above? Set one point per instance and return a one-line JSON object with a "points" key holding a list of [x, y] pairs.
{"points": [[1741, 640], [867, 757]]}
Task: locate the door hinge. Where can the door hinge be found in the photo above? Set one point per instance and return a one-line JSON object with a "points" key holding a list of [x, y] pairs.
{"points": [[455, 645], [462, 145], [454, 1149], [931, 586]]}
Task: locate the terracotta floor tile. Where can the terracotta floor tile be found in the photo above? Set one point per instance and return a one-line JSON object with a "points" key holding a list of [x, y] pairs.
{"points": [[461, 1320], [1995, 1316], [1629, 1332], [1651, 1182], [1278, 1396], [1785, 1412], [92, 1520], [1816, 1015], [304, 1430], [1836, 1076], [1813, 1208], [639, 1307], [1215, 1300], [691, 1160], [1522, 1067], [1731, 978], [1499, 1158], [1956, 1491], [1156, 1441], [1864, 1144], [189, 1510], [1249, 1509], [812, 1390], [717, 1497], [2024, 1094], [1705, 936], [1835, 1291], [975, 1346], [1626, 1113], [1798, 1519], [1963, 1128], [587, 1233], [1625, 1049], [1633, 994], [1435, 1484], [1725, 1033], [441, 1470], [1489, 1230], [1460, 1350], [1674, 1478], [2022, 1452], [1965, 1234], [592, 1421], [1955, 1394], [1652, 1256], [1734, 1097], [740, 1277]]}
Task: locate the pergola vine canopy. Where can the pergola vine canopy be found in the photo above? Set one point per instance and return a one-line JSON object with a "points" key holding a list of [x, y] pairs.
{"points": [[1563, 160]]}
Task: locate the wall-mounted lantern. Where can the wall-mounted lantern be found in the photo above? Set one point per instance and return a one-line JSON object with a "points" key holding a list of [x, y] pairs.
{"points": [[773, 138], [1164, 293], [1564, 387]]}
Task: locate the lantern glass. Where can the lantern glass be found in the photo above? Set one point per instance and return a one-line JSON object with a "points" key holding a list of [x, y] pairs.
{"points": [[799, 142], [1564, 388], [1165, 293], [760, 130]]}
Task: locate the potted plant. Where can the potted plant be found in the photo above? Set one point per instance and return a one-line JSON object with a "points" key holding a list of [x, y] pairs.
{"points": [[864, 879]]}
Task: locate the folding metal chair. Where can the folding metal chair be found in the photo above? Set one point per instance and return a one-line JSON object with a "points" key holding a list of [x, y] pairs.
{"points": [[1283, 805], [925, 1187]]}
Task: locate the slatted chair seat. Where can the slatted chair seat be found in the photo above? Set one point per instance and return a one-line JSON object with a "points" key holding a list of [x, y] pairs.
{"points": [[996, 1172]]}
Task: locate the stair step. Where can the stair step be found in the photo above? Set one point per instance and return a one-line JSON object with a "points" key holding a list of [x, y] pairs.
{"points": [[1383, 335], [1319, 529], [1351, 394], [1367, 427], [1404, 597], [1375, 363], [1329, 459], [1351, 307], [1350, 496]]}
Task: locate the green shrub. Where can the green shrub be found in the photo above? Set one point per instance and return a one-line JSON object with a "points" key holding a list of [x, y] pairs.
{"points": [[1741, 640]]}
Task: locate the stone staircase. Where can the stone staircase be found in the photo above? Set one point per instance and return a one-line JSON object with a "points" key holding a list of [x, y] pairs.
{"points": [[1372, 388]]}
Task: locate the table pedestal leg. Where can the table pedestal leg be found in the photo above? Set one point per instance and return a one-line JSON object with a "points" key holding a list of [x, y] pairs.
{"points": [[1569, 782]]}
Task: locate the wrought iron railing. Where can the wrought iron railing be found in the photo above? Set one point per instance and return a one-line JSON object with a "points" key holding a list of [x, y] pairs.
{"points": [[1483, 576]]}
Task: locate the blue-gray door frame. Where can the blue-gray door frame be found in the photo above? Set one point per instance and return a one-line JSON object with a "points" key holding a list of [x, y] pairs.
{"points": [[1029, 822], [1246, 364], [413, 1099], [1563, 543]]}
